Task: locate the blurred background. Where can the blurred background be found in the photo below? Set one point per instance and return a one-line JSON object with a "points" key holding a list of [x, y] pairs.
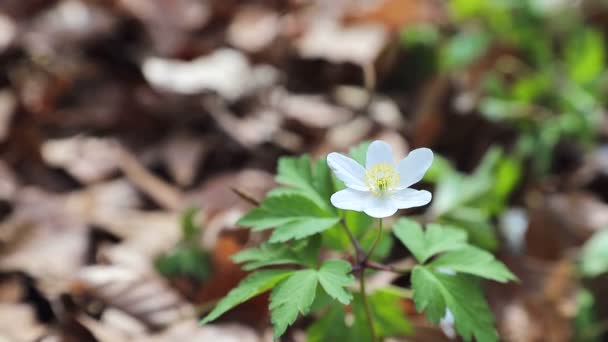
{"points": [[127, 125]]}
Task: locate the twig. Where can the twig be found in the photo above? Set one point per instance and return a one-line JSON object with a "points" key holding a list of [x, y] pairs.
{"points": [[162, 192], [359, 252], [245, 196]]}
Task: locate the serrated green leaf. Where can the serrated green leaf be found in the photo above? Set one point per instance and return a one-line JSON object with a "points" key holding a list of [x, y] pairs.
{"points": [[302, 252], [302, 228], [315, 182], [255, 284], [292, 296], [293, 216], [435, 292], [475, 261], [266, 255], [424, 244], [594, 257], [334, 276]]}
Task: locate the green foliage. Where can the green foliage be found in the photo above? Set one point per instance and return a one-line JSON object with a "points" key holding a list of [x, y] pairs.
{"points": [[296, 294], [389, 320], [303, 252], [547, 71], [334, 276], [255, 284], [425, 244], [445, 282], [435, 292], [594, 256], [303, 223], [474, 261], [470, 201], [187, 258], [293, 216], [290, 297], [463, 49]]}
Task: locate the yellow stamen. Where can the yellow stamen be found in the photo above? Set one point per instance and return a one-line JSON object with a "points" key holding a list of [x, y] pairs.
{"points": [[382, 178]]}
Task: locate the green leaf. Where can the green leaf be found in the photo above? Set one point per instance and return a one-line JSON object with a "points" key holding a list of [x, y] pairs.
{"points": [[435, 292], [190, 230], [294, 216], [594, 257], [189, 261], [585, 56], [358, 222], [292, 296], [359, 152], [389, 318], [301, 252], [330, 327], [334, 276], [424, 244], [463, 49], [315, 182], [475, 261], [255, 284]]}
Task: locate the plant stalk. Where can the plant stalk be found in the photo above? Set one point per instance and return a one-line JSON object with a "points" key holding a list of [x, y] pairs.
{"points": [[368, 312]]}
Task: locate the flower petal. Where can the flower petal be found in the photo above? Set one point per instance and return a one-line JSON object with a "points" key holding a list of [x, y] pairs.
{"points": [[380, 207], [350, 199], [347, 170], [378, 152], [413, 167], [409, 198]]}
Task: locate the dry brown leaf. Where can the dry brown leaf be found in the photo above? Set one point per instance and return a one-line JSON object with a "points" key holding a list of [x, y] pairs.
{"points": [[358, 44], [256, 128], [225, 71], [254, 28], [88, 159], [191, 331], [176, 14], [18, 323], [310, 110], [68, 23], [143, 296]]}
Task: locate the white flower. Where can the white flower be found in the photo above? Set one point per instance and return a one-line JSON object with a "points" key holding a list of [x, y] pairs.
{"points": [[382, 187]]}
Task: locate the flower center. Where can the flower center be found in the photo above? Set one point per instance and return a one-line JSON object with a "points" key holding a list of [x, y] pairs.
{"points": [[382, 178]]}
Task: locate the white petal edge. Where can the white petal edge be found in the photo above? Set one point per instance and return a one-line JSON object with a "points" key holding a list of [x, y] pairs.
{"points": [[350, 199], [378, 152], [410, 198], [380, 207], [347, 170], [413, 167]]}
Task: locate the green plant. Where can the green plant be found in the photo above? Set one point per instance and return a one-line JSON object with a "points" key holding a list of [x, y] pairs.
{"points": [[445, 275], [187, 258]]}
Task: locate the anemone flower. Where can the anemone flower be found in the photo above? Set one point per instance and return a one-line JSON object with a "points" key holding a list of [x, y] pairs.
{"points": [[381, 187]]}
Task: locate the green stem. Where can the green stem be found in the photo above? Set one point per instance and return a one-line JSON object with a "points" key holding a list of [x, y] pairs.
{"points": [[375, 244], [368, 312]]}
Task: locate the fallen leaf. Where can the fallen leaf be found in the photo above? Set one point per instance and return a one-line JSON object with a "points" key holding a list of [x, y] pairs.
{"points": [[88, 159]]}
